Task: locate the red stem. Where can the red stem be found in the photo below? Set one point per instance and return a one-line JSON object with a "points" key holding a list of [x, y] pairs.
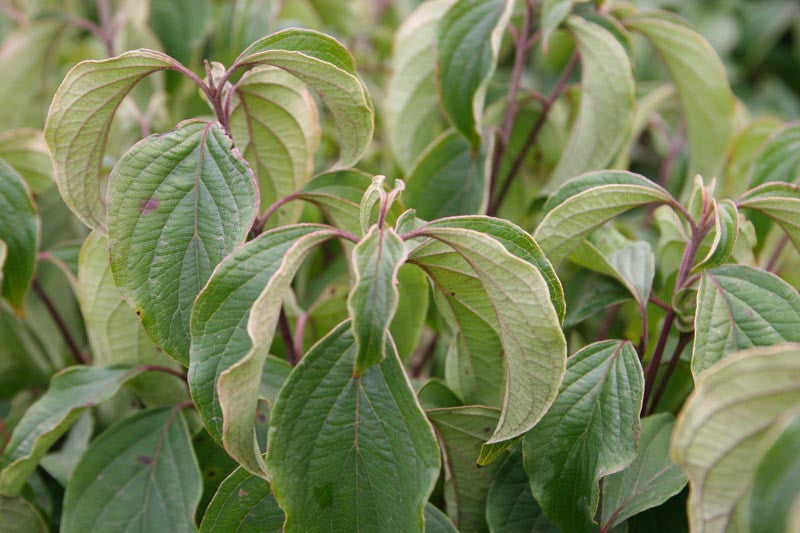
{"points": [[79, 356]]}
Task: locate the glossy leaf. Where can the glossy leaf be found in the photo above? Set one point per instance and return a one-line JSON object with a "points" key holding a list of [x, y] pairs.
{"points": [[349, 452], [741, 307], [19, 230], [726, 232], [141, 473], [327, 67], [585, 203], [590, 432], [243, 503], [607, 105], [780, 202], [650, 480], [71, 391], [779, 158], [79, 120], [178, 204], [467, 45], [719, 437]]}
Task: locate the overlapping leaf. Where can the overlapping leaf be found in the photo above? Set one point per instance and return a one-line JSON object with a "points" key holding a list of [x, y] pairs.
{"points": [[779, 159], [243, 503], [726, 233], [780, 202], [26, 152], [19, 231]]}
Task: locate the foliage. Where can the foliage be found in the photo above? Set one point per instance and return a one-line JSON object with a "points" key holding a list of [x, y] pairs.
{"points": [[575, 295]]}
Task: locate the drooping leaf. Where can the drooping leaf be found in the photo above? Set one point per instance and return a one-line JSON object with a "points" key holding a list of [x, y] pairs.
{"points": [[233, 321], [79, 120], [275, 125], [141, 473], [18, 515], [19, 230], [467, 45], [115, 334], [741, 307], [374, 296], [607, 106], [780, 202], [650, 480], [585, 203], [178, 203], [349, 452], [706, 97], [510, 507], [590, 431], [25, 150], [71, 392], [412, 102], [448, 179], [779, 159], [719, 437], [326, 66], [243, 503], [462, 431], [726, 232]]}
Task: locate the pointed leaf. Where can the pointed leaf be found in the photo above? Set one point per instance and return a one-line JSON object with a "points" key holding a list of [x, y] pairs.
{"points": [[467, 45], [726, 232], [347, 452], [327, 67], [590, 431], [79, 120], [607, 106], [780, 202], [71, 392], [140, 472], [650, 480], [779, 158], [19, 230], [719, 437], [243, 503], [741, 307], [178, 204]]}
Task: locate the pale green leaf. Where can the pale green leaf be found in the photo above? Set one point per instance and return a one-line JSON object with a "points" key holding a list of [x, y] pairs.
{"points": [[779, 158], [275, 125], [780, 202], [326, 66], [607, 104], [719, 437], [741, 307], [467, 45], [178, 204], [585, 203], [348, 452], [79, 120], [553, 14], [243, 503], [19, 230], [26, 151], [71, 391], [650, 480], [726, 233], [373, 298], [706, 98], [412, 101], [18, 515], [140, 474], [590, 432]]}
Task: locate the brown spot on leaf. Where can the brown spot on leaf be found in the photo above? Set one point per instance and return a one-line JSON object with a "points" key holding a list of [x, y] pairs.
{"points": [[242, 493], [261, 418], [148, 206], [144, 459]]}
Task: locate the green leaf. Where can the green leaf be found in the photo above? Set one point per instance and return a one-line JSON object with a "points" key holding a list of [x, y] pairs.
{"points": [[510, 507], [774, 500], [779, 158], [462, 431], [436, 521], [79, 120], [726, 232], [741, 307], [650, 480], [115, 334], [20, 516], [412, 308], [19, 230], [585, 203], [516, 307], [243, 503], [553, 14], [178, 204], [448, 178], [275, 373], [340, 444], [71, 392], [181, 25], [140, 472], [233, 322], [590, 432], [274, 123], [467, 46], [373, 299], [60, 464], [720, 436], [327, 67], [706, 98], [337, 194], [412, 101], [607, 105], [26, 152], [780, 202]]}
